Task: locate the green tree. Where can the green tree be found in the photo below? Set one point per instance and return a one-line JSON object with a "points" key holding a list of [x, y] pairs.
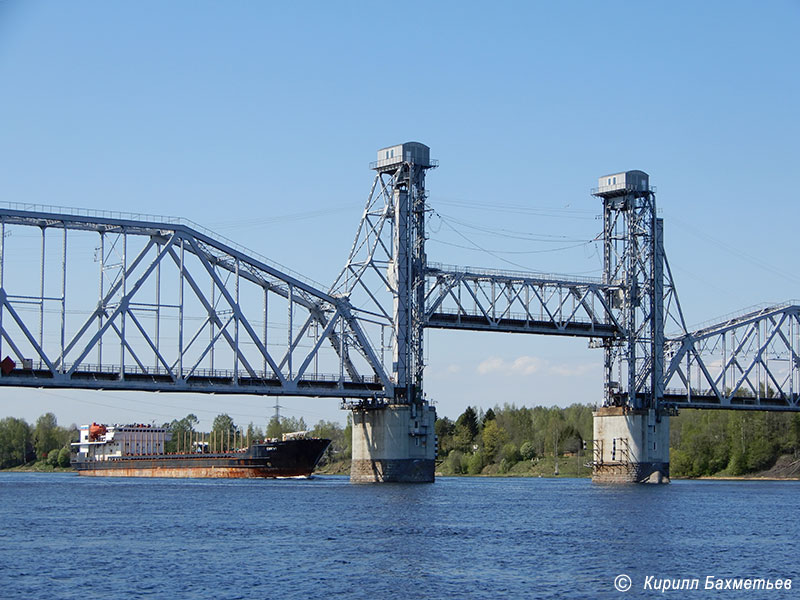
{"points": [[64, 456], [476, 463], [16, 442], [254, 433], [52, 457], [555, 428], [736, 442], [278, 426], [469, 420], [571, 439], [510, 454], [680, 463], [493, 438], [456, 463], [224, 433], [461, 439], [181, 431], [274, 429], [445, 428], [340, 446], [527, 451], [465, 431], [46, 435], [762, 447]]}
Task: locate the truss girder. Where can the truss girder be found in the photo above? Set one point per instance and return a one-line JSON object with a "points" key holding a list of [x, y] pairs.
{"points": [[178, 310], [750, 361], [517, 303]]}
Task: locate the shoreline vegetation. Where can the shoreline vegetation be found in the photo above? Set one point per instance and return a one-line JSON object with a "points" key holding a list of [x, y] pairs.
{"points": [[505, 441], [719, 444]]}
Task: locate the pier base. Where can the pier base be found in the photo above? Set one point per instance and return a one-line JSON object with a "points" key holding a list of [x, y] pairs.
{"points": [[395, 443], [630, 446]]}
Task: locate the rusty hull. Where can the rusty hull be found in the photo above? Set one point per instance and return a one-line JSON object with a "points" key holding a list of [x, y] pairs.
{"points": [[184, 472]]}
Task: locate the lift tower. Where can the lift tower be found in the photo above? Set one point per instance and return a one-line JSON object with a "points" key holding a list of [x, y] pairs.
{"points": [[631, 438], [394, 440]]}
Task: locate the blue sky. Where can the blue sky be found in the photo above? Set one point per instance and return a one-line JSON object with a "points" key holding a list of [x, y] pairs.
{"points": [[258, 120]]}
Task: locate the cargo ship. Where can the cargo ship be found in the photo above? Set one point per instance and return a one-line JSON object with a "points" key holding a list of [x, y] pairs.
{"points": [[139, 451]]}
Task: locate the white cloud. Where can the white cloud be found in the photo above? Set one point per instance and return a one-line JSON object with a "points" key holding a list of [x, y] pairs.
{"points": [[528, 365], [444, 372], [575, 370], [490, 365]]}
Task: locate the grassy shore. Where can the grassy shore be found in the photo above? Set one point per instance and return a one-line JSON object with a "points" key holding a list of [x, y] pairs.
{"points": [[40, 466], [570, 467]]}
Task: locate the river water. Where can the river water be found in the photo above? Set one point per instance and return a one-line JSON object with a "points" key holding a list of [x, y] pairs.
{"points": [[64, 536]]}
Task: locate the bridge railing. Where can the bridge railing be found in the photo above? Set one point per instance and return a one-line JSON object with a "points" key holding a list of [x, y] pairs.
{"points": [[505, 275]]}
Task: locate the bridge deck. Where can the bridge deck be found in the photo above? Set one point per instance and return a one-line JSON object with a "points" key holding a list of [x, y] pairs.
{"points": [[321, 386], [711, 401], [442, 320]]}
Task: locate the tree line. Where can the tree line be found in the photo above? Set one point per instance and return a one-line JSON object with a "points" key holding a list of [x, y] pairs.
{"points": [[521, 440], [45, 441], [729, 442], [511, 439]]}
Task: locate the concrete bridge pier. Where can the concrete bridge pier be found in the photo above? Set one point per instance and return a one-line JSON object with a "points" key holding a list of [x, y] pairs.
{"points": [[630, 446], [394, 443]]}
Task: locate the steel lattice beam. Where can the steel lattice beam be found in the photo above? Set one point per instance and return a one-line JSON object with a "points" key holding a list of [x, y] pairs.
{"points": [[173, 311], [481, 300], [751, 361]]}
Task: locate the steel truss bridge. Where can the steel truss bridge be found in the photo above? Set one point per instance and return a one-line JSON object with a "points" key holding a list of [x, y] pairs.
{"points": [[101, 300]]}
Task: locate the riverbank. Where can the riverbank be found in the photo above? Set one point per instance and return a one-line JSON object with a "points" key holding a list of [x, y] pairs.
{"points": [[568, 466], [785, 469], [336, 467], [39, 467]]}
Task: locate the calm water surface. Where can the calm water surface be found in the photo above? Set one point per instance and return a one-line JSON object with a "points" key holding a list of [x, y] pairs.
{"points": [[64, 537]]}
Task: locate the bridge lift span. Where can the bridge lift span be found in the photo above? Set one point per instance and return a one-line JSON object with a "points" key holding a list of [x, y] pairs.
{"points": [[128, 302]]}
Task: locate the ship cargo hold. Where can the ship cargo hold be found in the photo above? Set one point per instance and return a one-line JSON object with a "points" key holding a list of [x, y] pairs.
{"points": [[139, 451]]}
